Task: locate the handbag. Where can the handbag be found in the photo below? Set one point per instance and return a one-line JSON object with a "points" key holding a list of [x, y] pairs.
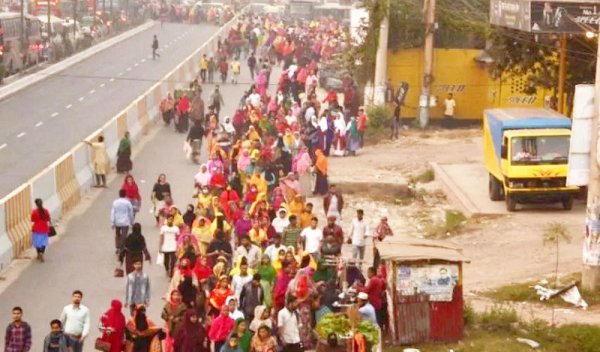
{"points": [[119, 272], [101, 345], [160, 259], [51, 231]]}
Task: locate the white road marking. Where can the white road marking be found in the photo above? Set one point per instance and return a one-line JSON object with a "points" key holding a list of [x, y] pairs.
{"points": [[128, 68], [21, 134], [54, 114], [3, 146], [81, 98], [92, 91], [111, 80], [143, 60], [102, 85], [136, 64], [69, 106], [39, 124]]}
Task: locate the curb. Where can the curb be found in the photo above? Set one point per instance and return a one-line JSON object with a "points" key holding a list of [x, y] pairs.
{"points": [[455, 195], [38, 76]]}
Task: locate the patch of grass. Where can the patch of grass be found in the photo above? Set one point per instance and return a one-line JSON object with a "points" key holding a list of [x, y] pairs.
{"points": [[524, 292], [454, 219], [498, 318], [424, 177]]}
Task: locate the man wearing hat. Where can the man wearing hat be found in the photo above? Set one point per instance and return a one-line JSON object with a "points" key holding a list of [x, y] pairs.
{"points": [[366, 310]]}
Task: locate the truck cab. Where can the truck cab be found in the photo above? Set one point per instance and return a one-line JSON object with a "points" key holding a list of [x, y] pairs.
{"points": [[526, 155]]}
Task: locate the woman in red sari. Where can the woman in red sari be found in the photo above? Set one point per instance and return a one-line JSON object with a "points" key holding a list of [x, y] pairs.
{"points": [[112, 324], [219, 295], [132, 192]]}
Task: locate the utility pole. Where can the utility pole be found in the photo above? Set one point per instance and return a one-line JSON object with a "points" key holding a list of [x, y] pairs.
{"points": [[562, 72], [590, 275], [75, 25], [427, 63], [379, 81], [49, 9], [22, 36]]}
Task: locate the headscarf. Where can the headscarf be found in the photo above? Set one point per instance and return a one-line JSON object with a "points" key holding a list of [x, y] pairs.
{"points": [[302, 162], [135, 242], [203, 178], [323, 273], [190, 333], [353, 128], [246, 338], [383, 229], [202, 271], [244, 161], [321, 162], [124, 145], [257, 322], [114, 317], [131, 190], [266, 271]]}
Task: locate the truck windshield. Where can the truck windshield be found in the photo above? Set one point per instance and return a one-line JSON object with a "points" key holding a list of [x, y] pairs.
{"points": [[539, 150]]}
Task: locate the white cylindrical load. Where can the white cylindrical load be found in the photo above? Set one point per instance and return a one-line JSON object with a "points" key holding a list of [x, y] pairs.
{"points": [[584, 110]]}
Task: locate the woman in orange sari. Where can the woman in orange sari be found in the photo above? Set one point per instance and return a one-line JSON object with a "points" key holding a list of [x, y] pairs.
{"points": [[321, 184], [143, 335]]}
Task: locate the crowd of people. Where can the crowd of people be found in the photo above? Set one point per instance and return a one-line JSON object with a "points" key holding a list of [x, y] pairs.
{"points": [[250, 265]]}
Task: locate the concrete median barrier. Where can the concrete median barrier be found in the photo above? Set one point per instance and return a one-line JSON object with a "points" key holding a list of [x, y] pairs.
{"points": [[65, 181]]}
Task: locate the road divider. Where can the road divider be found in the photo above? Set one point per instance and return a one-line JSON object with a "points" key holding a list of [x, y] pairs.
{"points": [[62, 184]]}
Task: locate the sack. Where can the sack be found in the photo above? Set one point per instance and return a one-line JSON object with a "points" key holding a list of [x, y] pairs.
{"points": [[119, 272], [51, 231], [101, 345], [160, 259]]}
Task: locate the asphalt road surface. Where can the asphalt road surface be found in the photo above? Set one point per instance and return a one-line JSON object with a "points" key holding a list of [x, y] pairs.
{"points": [[42, 122], [83, 258]]}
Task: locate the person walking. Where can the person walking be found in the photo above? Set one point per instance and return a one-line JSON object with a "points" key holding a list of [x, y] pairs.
{"points": [[211, 70], [223, 68], [155, 48], [168, 244], [100, 161], [56, 340], [40, 218], [333, 203], [252, 65], [18, 333], [288, 326], [121, 217], [124, 163], [312, 238], [359, 231], [75, 318], [220, 328], [137, 290], [203, 67], [112, 325], [362, 125], [216, 100], [396, 123], [236, 68]]}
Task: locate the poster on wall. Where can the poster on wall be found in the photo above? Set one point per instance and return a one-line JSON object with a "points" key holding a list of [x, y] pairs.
{"points": [[510, 13], [437, 281]]}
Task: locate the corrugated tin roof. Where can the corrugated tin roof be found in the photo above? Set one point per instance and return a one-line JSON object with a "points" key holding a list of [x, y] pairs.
{"points": [[413, 249]]}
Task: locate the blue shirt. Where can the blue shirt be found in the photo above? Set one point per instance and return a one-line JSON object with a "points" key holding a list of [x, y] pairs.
{"points": [[121, 213]]}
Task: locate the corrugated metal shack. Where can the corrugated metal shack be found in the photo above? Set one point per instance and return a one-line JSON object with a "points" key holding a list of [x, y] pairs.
{"points": [[425, 297]]}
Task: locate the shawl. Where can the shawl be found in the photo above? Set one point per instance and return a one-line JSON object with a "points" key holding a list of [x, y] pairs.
{"points": [[257, 322], [245, 338], [267, 272], [217, 297], [135, 242], [303, 162], [383, 230], [243, 161], [353, 128], [202, 272], [113, 317], [124, 145], [191, 336], [321, 162], [202, 178], [131, 190]]}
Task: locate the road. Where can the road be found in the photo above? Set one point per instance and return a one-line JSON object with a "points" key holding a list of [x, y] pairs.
{"points": [[83, 257], [42, 122]]}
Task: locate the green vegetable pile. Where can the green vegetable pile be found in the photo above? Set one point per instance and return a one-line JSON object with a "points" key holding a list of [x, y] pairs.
{"points": [[340, 325]]}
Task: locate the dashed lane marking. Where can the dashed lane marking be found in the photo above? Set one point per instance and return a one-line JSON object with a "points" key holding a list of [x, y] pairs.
{"points": [[21, 134], [39, 124], [54, 114], [69, 106], [3, 146]]}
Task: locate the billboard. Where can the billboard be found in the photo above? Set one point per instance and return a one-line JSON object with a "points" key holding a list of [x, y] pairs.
{"points": [[551, 16]]}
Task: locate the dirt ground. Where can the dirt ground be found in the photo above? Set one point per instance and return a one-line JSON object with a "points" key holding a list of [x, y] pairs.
{"points": [[502, 249]]}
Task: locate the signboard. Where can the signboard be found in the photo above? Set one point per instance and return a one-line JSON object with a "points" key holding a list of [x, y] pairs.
{"points": [[564, 17], [513, 14], [437, 281], [551, 16]]}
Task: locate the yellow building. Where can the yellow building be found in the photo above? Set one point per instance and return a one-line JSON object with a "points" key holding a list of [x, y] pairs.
{"points": [[456, 71]]}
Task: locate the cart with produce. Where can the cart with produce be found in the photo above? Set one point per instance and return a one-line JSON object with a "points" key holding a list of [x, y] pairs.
{"points": [[345, 327]]}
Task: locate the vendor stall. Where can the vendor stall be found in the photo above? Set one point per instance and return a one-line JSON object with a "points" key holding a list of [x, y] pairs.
{"points": [[425, 298]]}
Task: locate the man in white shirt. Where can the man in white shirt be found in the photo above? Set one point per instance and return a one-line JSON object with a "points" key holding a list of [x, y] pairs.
{"points": [[449, 105], [254, 99], [288, 326], [75, 319], [168, 244], [249, 250], [281, 221], [312, 237], [359, 231], [273, 250], [366, 309], [238, 281]]}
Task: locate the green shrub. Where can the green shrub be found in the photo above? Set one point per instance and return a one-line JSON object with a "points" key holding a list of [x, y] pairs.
{"points": [[579, 337], [380, 116], [498, 318], [469, 315], [454, 219]]}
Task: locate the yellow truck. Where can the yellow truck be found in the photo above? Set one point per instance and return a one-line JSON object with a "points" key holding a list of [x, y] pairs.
{"points": [[526, 151]]}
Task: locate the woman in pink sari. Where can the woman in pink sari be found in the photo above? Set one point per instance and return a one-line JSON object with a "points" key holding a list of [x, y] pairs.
{"points": [[301, 166], [261, 82]]}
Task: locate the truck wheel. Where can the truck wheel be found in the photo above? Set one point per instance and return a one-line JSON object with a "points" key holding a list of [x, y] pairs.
{"points": [[511, 203], [495, 189], [567, 202]]}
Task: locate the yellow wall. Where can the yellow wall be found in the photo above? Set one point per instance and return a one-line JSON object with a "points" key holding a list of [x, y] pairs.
{"points": [[457, 72]]}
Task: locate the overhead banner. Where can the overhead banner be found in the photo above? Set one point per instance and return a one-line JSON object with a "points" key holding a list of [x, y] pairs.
{"points": [[575, 17]]}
